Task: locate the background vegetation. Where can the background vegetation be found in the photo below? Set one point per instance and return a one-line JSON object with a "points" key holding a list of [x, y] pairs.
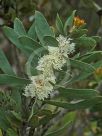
{"points": [[85, 122]]}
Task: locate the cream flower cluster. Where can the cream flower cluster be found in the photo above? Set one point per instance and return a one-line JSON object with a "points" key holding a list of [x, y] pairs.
{"points": [[42, 85]]}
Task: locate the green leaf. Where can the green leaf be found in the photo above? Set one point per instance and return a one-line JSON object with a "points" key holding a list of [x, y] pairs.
{"points": [[80, 65], [80, 77], [40, 117], [97, 38], [11, 132], [86, 41], [69, 21], [97, 107], [67, 117], [83, 73], [12, 80], [41, 26], [14, 119], [78, 32], [34, 121], [44, 112], [4, 124], [4, 64], [16, 97], [46, 116], [50, 41], [92, 56], [28, 43], [59, 25], [97, 64], [32, 32], [13, 37], [16, 115], [83, 104], [77, 93], [18, 27], [59, 131]]}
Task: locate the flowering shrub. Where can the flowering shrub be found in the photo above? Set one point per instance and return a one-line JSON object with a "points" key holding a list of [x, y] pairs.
{"points": [[57, 59]]}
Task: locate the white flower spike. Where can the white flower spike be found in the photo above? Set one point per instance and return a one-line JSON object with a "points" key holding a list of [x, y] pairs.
{"points": [[57, 58], [39, 87], [42, 85], [65, 45]]}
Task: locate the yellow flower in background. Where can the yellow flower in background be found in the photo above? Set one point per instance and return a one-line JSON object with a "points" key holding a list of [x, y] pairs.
{"points": [[98, 72], [1, 133], [78, 21]]}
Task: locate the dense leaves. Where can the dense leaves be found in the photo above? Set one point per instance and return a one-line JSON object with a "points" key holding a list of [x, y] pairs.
{"points": [[23, 116]]}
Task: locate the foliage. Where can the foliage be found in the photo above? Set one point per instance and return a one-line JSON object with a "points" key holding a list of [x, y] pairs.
{"points": [[30, 116]]}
